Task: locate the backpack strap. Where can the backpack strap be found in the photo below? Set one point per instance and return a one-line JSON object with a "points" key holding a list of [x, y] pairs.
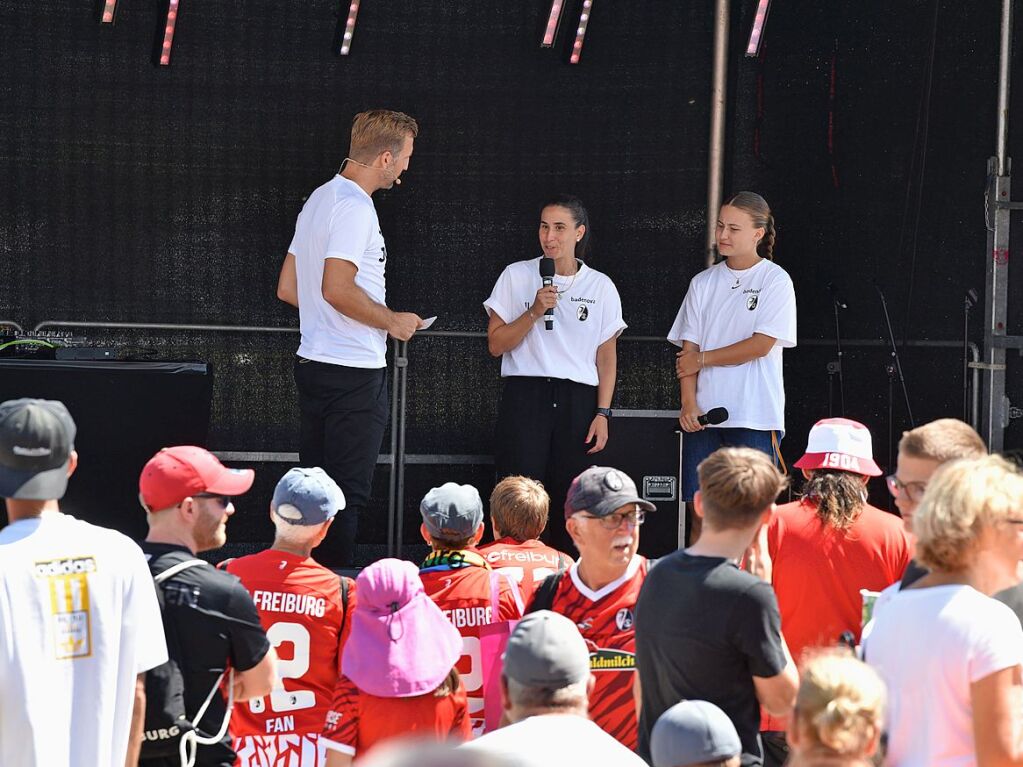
{"points": [[173, 570], [543, 598], [344, 602]]}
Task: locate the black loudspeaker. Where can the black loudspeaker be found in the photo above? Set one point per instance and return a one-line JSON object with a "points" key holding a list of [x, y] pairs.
{"points": [[645, 445], [125, 412]]}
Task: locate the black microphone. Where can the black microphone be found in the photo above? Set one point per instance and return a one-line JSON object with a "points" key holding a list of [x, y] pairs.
{"points": [[713, 417], [835, 297], [547, 273]]}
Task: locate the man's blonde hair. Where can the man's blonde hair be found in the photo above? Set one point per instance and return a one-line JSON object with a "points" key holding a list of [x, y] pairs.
{"points": [[519, 507], [840, 703], [963, 499], [946, 439], [378, 131], [737, 484]]}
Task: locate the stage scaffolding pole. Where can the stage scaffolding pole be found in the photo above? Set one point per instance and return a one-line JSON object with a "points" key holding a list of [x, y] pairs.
{"points": [[719, 91], [997, 208]]}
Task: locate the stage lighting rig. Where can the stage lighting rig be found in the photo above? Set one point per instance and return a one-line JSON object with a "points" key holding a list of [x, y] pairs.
{"points": [[349, 30], [757, 33], [553, 22], [165, 41], [580, 32], [108, 12]]}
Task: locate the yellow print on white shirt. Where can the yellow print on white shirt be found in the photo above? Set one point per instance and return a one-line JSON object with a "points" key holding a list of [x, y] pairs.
{"points": [[68, 580]]}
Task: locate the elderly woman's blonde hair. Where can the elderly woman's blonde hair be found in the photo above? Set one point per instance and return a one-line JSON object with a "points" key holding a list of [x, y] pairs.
{"points": [[840, 704], [962, 499]]}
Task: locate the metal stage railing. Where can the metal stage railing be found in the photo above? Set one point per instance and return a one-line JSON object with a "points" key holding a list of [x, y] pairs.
{"points": [[396, 457]]}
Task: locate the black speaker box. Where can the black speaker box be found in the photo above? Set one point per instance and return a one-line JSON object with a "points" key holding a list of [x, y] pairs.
{"points": [[646, 445], [124, 413]]}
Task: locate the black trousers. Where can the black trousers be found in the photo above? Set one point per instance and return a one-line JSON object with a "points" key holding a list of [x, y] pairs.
{"points": [[541, 425], [343, 417]]}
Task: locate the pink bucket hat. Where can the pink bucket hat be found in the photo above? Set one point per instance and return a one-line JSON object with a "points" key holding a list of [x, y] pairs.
{"points": [[401, 645], [838, 443]]}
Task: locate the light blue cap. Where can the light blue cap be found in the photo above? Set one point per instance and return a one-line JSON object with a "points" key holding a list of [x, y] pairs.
{"points": [[307, 497]]}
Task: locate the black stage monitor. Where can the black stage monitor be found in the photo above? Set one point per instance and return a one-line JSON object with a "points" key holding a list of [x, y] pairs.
{"points": [[125, 412]]}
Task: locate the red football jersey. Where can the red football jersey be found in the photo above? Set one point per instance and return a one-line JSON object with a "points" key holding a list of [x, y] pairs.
{"points": [[526, 563], [299, 603], [358, 721], [463, 593], [605, 618]]}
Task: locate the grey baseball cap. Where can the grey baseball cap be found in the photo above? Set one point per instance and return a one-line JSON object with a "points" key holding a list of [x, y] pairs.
{"points": [[693, 732], [546, 650], [307, 497], [36, 440], [601, 490], [452, 511]]}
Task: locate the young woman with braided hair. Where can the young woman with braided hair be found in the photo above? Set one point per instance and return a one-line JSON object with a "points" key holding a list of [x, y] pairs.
{"points": [[826, 547], [736, 318]]}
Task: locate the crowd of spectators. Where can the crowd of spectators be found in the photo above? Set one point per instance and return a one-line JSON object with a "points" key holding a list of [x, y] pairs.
{"points": [[824, 631]]}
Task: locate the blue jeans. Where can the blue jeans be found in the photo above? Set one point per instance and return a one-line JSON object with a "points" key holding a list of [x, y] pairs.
{"points": [[700, 444]]}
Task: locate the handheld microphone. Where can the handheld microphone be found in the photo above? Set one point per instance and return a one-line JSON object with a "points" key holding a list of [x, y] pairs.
{"points": [[547, 273], [835, 297], [713, 417]]}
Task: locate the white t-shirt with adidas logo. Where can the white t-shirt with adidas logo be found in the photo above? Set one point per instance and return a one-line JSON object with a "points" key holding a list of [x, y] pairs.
{"points": [[589, 312], [79, 620], [723, 307]]}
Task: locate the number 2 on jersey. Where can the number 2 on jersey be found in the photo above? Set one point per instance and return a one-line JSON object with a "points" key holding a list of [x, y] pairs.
{"points": [[282, 700]]}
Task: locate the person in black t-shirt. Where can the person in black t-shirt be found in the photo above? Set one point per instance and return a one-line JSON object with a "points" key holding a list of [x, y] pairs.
{"points": [[211, 621], [706, 630]]}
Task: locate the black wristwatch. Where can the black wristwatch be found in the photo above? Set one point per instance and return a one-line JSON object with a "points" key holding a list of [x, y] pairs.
{"points": [[604, 411]]}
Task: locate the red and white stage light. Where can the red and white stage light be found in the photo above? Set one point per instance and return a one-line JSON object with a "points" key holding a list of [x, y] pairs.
{"points": [[109, 11], [346, 37], [553, 22], [168, 33], [580, 32], [759, 20]]}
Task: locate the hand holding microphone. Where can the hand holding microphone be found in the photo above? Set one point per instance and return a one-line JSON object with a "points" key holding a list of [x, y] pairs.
{"points": [[547, 275], [690, 421]]}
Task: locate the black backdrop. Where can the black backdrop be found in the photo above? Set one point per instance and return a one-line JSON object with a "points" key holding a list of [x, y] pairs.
{"points": [[137, 193]]}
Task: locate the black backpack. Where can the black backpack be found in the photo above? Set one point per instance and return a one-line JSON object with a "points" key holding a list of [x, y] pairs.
{"points": [[168, 732]]}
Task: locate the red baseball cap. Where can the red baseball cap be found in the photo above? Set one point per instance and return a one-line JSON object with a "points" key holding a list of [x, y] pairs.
{"points": [[840, 443], [175, 473]]}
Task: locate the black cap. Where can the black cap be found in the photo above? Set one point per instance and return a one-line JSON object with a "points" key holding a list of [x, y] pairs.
{"points": [[36, 440]]}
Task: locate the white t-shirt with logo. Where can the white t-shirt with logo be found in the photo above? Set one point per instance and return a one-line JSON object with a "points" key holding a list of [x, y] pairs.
{"points": [[79, 620], [588, 313], [930, 645], [339, 221], [723, 307]]}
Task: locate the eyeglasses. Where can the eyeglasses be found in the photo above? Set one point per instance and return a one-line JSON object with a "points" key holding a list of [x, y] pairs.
{"points": [[614, 521], [914, 490], [223, 500]]}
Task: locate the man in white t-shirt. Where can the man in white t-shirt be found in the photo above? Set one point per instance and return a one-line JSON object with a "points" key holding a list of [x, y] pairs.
{"points": [[334, 274], [79, 620]]}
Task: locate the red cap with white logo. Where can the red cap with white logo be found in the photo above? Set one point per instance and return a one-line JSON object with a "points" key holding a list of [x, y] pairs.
{"points": [[176, 473], [842, 445]]}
